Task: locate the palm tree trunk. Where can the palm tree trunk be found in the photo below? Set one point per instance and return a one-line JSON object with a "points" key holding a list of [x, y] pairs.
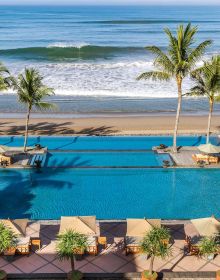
{"points": [[151, 265], [26, 129], [72, 263], [209, 120], [179, 84]]}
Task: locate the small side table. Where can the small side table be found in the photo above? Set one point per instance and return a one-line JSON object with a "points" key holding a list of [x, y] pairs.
{"points": [[36, 242], [102, 241]]}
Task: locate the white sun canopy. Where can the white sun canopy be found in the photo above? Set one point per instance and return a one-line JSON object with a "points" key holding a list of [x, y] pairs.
{"points": [[209, 149], [207, 226]]}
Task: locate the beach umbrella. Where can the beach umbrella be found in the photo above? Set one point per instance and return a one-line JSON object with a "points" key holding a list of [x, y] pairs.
{"points": [[209, 149], [207, 226], [139, 227], [82, 224]]}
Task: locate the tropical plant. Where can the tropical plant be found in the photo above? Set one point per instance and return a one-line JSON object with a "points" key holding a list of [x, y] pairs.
{"points": [[31, 91], [70, 244], [207, 83], [155, 244], [5, 79], [177, 63], [208, 247], [7, 238]]}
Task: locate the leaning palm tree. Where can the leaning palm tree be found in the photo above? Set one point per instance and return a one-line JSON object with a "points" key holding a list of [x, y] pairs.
{"points": [[5, 79], [207, 83], [177, 63], [31, 91]]}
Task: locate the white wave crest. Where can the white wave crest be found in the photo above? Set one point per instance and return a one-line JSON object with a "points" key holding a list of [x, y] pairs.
{"points": [[77, 45], [110, 93]]}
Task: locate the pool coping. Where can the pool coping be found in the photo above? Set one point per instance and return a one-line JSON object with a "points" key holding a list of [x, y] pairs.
{"points": [[163, 221], [110, 276], [214, 133]]}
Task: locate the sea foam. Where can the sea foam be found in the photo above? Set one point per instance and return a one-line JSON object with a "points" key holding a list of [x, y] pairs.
{"points": [[77, 45]]}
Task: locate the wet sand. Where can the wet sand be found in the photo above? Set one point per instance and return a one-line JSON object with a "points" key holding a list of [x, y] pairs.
{"points": [[126, 125]]}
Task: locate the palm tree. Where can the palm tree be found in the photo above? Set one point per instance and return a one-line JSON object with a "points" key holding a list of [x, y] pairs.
{"points": [[177, 63], [155, 244], [70, 243], [207, 83], [31, 91], [5, 79]]}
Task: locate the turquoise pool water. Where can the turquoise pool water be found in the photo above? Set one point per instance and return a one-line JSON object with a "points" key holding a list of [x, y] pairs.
{"points": [[106, 159], [105, 143], [108, 193]]}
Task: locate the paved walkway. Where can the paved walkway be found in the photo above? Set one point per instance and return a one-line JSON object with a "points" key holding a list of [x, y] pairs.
{"points": [[112, 259]]}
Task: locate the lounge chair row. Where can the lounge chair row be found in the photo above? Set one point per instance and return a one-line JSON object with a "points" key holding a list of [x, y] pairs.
{"points": [[206, 158], [136, 229], [28, 233], [85, 225]]}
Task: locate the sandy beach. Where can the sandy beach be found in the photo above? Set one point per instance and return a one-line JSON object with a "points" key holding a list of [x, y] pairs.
{"points": [[125, 125]]}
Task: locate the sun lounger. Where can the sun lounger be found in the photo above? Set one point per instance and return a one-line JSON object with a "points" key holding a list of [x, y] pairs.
{"points": [[213, 159], [92, 248], [25, 236], [33, 231], [200, 157], [5, 160], [206, 158], [23, 246], [85, 225], [132, 244], [192, 249], [136, 229]]}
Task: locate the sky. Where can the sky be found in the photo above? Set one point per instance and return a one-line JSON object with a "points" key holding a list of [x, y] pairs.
{"points": [[109, 2]]}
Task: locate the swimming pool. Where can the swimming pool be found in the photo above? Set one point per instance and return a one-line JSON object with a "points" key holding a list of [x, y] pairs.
{"points": [[104, 142], [100, 159], [110, 193]]}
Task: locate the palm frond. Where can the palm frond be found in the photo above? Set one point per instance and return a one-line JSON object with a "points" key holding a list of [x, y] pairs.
{"points": [[155, 76], [31, 90], [43, 106], [68, 243], [197, 53], [207, 79], [4, 77], [161, 61]]}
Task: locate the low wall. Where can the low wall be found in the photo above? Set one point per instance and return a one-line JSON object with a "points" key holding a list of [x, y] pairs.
{"points": [[116, 276]]}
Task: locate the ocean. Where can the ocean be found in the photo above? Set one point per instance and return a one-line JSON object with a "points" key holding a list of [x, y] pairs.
{"points": [[91, 55]]}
